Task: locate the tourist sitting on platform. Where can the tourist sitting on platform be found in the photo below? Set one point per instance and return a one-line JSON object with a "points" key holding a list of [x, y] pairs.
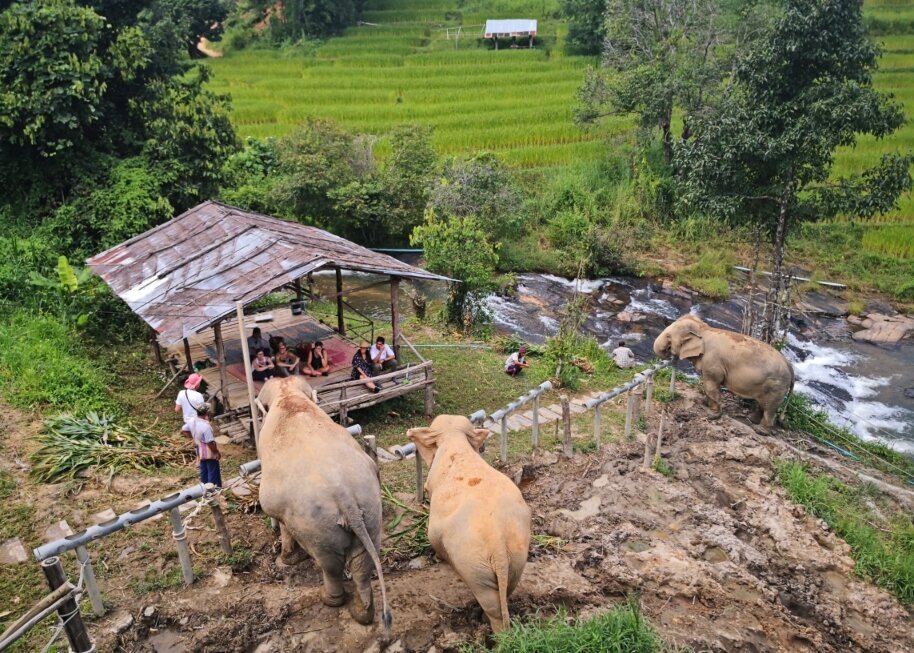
{"points": [[263, 368], [361, 367], [318, 363], [257, 341], [383, 358], [286, 361], [516, 362]]}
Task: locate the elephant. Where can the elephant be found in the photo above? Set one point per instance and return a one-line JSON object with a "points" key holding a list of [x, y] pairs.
{"points": [[322, 488], [478, 520], [748, 367]]}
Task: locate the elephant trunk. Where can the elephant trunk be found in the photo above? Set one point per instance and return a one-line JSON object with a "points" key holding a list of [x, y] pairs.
{"points": [[662, 345]]}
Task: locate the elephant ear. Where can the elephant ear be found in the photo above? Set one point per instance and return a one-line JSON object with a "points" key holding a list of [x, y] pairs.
{"points": [[477, 438], [692, 345], [426, 443]]}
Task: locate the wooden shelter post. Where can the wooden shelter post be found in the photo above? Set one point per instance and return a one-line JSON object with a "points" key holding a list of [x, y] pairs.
{"points": [[188, 357], [395, 315], [220, 359], [340, 323], [249, 377], [156, 347]]}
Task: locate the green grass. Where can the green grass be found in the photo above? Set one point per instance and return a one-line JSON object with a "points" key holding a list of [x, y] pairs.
{"points": [[882, 544], [709, 274], [892, 240], [621, 630]]}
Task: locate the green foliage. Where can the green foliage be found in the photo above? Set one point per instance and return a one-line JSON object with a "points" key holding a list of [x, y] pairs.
{"points": [[70, 445], [586, 26], [620, 630], [661, 467], [709, 274], [882, 546], [43, 366], [297, 19], [894, 240], [459, 248], [195, 19], [249, 176]]}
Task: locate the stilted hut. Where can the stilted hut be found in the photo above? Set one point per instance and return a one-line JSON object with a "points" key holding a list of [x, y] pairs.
{"points": [[191, 278]]}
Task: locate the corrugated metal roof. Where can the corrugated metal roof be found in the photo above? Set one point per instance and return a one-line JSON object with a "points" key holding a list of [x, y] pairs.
{"points": [[511, 27], [186, 275]]}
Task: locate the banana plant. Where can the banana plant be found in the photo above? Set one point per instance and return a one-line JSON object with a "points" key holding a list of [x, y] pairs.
{"points": [[70, 285]]}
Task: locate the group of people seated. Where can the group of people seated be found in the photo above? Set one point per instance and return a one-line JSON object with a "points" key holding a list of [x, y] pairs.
{"points": [[273, 358]]}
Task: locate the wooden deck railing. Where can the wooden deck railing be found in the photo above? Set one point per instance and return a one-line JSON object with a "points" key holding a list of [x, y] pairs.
{"points": [[340, 398]]}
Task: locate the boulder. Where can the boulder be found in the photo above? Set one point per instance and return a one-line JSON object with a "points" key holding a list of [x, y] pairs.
{"points": [[879, 328]]}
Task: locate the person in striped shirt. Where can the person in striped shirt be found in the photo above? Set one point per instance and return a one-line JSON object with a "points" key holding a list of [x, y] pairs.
{"points": [[208, 455]]}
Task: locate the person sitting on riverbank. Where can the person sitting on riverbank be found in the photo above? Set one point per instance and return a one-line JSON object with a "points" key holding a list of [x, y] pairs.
{"points": [[286, 362], [516, 362], [257, 341], [624, 357], [263, 368], [383, 358], [361, 367], [318, 362]]}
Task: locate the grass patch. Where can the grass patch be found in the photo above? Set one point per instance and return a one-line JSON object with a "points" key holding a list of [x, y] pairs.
{"points": [[892, 240], [882, 547], [709, 274], [42, 365], [621, 630], [660, 466]]}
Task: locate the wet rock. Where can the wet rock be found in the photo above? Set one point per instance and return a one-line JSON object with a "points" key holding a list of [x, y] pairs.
{"points": [[121, 624], [909, 393], [880, 328], [822, 304]]}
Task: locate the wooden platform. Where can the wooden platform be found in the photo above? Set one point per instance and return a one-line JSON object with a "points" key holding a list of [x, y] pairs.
{"points": [[336, 393]]}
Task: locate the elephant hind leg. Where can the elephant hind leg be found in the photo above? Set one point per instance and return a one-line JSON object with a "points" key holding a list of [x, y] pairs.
{"points": [[292, 553], [712, 392], [331, 564], [756, 415], [361, 566]]}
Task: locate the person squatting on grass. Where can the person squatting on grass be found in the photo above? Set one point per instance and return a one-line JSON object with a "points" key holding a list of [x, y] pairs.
{"points": [[187, 399], [516, 362], [208, 455]]}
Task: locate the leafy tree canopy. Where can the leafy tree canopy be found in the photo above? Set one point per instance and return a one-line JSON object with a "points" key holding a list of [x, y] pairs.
{"points": [[586, 26]]}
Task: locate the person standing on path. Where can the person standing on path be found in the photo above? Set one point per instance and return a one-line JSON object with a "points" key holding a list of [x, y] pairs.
{"points": [[187, 399], [208, 454]]}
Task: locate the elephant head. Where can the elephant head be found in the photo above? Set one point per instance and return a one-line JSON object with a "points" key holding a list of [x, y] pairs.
{"points": [[279, 387], [683, 338], [427, 439]]}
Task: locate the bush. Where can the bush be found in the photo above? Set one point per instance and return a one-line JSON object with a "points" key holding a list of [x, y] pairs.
{"points": [[41, 365]]}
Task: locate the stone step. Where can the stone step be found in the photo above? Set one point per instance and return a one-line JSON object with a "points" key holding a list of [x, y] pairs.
{"points": [[12, 552]]}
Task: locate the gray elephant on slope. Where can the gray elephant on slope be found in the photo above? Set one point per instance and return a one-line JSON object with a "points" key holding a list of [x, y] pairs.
{"points": [[747, 367], [323, 489]]}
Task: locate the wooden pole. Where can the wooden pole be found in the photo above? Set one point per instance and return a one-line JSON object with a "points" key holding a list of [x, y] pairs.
{"points": [[95, 597], [673, 378], [248, 373], [420, 487], [156, 348], [69, 610], [597, 427], [344, 409], [503, 451], [212, 500], [179, 533], [628, 414], [646, 463], [220, 359], [535, 438], [648, 396], [429, 392], [637, 394], [567, 446], [660, 434], [340, 323], [187, 357], [395, 315]]}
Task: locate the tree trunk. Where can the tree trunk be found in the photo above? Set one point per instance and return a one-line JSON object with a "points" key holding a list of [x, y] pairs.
{"points": [[749, 316], [667, 139], [776, 308]]}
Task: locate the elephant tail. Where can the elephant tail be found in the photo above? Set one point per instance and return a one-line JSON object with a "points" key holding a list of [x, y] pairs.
{"points": [[357, 525], [501, 579], [786, 401]]}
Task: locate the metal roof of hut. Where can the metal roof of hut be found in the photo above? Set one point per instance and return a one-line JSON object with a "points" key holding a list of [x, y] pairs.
{"points": [[510, 27], [186, 275]]}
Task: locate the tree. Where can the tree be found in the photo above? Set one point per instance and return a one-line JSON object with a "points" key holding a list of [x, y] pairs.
{"points": [[764, 156], [586, 26], [312, 18], [459, 247], [195, 19]]}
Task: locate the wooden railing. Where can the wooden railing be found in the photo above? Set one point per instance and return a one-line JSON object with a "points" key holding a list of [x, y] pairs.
{"points": [[340, 398]]}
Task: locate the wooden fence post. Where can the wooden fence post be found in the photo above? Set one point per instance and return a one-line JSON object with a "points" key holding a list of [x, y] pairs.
{"points": [[420, 487], [535, 438], [673, 378], [597, 427], [660, 435], [429, 392], [69, 610], [649, 396], [567, 446], [503, 451], [179, 533], [95, 597], [628, 415], [212, 500]]}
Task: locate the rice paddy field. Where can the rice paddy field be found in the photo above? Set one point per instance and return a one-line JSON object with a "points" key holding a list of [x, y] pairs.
{"points": [[411, 66]]}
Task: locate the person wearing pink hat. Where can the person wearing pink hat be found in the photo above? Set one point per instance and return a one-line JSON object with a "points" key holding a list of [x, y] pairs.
{"points": [[187, 401]]}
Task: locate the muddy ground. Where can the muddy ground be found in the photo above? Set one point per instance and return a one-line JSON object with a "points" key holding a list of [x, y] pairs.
{"points": [[722, 561]]}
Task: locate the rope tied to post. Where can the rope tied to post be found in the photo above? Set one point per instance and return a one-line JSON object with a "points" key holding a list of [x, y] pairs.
{"points": [[63, 619]]}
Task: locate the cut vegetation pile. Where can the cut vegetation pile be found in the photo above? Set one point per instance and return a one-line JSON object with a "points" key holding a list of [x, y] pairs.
{"points": [[71, 445]]}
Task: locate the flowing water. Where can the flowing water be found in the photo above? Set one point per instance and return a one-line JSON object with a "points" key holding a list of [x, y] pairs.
{"points": [[860, 385]]}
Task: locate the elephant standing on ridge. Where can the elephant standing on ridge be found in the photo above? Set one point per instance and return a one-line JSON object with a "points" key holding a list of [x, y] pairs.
{"points": [[323, 489], [748, 367], [478, 520]]}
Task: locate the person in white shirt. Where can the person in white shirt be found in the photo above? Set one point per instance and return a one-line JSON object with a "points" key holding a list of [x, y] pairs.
{"points": [[624, 356], [208, 454], [187, 399], [516, 362], [383, 358]]}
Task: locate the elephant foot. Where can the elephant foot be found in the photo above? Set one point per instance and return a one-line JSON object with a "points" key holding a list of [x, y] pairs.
{"points": [[761, 429], [332, 601], [714, 416], [363, 614]]}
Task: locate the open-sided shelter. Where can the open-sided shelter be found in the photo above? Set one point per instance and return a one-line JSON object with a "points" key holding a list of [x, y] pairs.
{"points": [[513, 27], [190, 274]]}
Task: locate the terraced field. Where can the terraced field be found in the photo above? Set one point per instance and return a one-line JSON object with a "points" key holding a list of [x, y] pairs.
{"points": [[407, 67]]}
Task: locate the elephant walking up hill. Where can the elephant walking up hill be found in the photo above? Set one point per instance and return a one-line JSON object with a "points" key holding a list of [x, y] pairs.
{"points": [[748, 367], [323, 489]]}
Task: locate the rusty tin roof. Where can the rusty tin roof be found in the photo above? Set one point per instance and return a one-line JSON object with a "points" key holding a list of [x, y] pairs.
{"points": [[186, 275]]}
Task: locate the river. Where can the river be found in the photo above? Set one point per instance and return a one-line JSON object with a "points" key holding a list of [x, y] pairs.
{"points": [[860, 385]]}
